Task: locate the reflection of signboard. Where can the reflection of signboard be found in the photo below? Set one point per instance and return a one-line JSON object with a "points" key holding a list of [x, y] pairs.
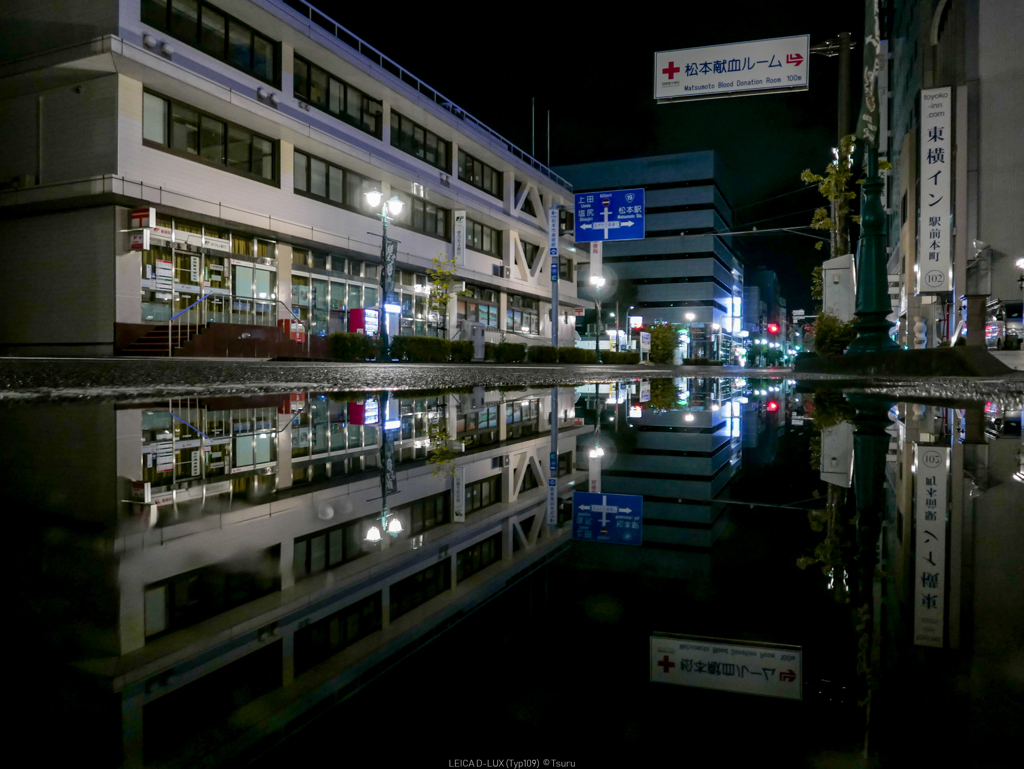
{"points": [[932, 475], [579, 311], [635, 412], [387, 451], [552, 502], [645, 390], [365, 413], [612, 518], [141, 491], [743, 667], [459, 495]]}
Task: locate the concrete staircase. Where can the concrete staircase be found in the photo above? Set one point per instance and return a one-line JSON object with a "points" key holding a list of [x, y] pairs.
{"points": [[154, 342]]}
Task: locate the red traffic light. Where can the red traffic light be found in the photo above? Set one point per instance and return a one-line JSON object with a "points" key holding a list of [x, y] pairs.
{"points": [[773, 405], [773, 328]]}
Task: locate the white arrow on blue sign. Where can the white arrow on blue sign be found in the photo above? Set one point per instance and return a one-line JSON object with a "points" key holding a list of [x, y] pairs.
{"points": [[611, 518], [615, 215]]}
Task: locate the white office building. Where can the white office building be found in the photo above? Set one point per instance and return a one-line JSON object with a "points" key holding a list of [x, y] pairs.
{"points": [[253, 130]]}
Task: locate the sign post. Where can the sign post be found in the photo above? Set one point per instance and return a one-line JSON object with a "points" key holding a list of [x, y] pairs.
{"points": [[553, 466], [934, 270], [753, 67], [553, 256]]}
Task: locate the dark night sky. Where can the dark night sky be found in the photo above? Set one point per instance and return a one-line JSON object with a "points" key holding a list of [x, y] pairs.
{"points": [[597, 80]]}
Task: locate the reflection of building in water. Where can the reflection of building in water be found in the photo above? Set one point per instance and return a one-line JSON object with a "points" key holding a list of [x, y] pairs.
{"points": [[679, 452], [246, 592]]}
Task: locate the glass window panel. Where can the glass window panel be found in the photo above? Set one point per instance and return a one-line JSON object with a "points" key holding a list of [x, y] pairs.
{"points": [[185, 20], [211, 139], [317, 177], [265, 280], [355, 296], [336, 185], [317, 554], [301, 78], [184, 129], [243, 281], [264, 448], [263, 157], [154, 13], [243, 451], [370, 296], [487, 245], [212, 32], [318, 86], [301, 169], [417, 215], [354, 103], [299, 558], [418, 140], [336, 548], [239, 142], [336, 103], [239, 45], [154, 119], [156, 610], [337, 295], [263, 58]]}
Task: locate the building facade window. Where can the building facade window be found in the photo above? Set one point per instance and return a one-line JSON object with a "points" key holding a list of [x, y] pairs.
{"points": [[337, 98], [478, 557], [182, 130], [419, 142], [203, 26], [324, 638], [425, 514], [316, 178], [483, 493], [482, 238], [423, 216], [530, 251], [527, 207], [479, 305], [521, 417], [197, 595], [328, 548], [565, 269], [420, 587], [479, 174], [523, 315]]}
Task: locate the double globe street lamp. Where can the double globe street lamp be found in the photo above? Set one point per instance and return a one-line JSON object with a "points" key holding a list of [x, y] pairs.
{"points": [[389, 305]]}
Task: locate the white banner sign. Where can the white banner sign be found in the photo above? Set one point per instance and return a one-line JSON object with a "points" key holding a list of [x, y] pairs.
{"points": [[771, 671], [934, 269], [553, 231], [460, 238], [930, 522], [645, 341], [757, 66], [459, 495]]}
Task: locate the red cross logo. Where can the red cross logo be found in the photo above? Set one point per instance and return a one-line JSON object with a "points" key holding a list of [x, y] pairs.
{"points": [[665, 663], [671, 70]]}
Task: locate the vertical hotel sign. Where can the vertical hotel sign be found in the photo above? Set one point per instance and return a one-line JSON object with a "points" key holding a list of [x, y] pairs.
{"points": [[930, 561], [934, 268], [459, 495]]}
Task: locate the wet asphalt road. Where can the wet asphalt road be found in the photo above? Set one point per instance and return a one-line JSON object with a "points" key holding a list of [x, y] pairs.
{"points": [[24, 379]]}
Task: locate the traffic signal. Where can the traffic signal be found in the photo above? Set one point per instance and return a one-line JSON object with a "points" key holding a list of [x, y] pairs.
{"points": [[773, 406], [773, 328]]}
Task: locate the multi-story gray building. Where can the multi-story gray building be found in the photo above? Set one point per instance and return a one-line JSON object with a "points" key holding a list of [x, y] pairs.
{"points": [[682, 272], [252, 128]]}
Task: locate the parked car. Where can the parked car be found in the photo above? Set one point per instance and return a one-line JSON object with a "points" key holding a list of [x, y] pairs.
{"points": [[1013, 325], [1003, 329]]}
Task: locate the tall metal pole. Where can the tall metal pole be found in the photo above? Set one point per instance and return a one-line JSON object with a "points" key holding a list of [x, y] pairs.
{"points": [[617, 346], [387, 269], [549, 138], [597, 301], [553, 255], [844, 85], [553, 464], [533, 125]]}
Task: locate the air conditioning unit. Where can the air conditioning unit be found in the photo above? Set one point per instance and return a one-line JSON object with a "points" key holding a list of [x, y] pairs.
{"points": [[457, 446], [506, 272], [446, 180]]}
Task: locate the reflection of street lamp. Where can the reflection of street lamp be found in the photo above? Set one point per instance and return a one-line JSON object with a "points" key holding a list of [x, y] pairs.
{"points": [[387, 276], [387, 467], [597, 282]]}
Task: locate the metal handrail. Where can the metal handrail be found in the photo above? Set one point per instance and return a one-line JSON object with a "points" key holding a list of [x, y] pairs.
{"points": [[322, 20], [309, 324], [170, 330]]}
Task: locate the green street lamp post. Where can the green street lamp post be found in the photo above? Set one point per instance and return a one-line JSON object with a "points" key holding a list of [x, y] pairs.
{"points": [[387, 274], [873, 303]]}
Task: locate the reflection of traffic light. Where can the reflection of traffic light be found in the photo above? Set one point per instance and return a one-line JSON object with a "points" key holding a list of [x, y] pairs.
{"points": [[773, 328], [773, 405]]}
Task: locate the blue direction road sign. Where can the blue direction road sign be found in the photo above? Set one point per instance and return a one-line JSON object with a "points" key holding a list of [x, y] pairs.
{"points": [[616, 215], [612, 518]]}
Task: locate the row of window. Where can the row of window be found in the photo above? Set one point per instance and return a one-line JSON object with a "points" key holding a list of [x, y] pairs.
{"points": [[482, 238], [336, 97], [203, 26], [478, 557], [326, 637], [328, 548], [180, 128], [317, 178], [214, 32], [483, 493]]}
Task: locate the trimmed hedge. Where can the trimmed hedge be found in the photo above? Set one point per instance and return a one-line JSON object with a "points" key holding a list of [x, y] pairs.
{"points": [[353, 347], [509, 352], [462, 352], [421, 349], [620, 358], [490, 350], [543, 354], [702, 362], [576, 355]]}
